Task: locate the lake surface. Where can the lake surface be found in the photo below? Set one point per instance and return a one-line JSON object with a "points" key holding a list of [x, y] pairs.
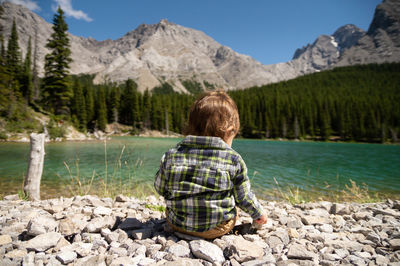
{"points": [[299, 164]]}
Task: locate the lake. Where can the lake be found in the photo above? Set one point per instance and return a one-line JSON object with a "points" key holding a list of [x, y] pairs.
{"points": [[299, 164]]}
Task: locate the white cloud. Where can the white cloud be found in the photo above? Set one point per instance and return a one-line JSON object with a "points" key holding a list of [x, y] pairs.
{"points": [[66, 6], [32, 5]]}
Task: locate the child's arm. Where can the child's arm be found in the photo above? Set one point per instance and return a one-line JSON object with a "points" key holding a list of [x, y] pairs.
{"points": [[160, 179], [244, 196]]}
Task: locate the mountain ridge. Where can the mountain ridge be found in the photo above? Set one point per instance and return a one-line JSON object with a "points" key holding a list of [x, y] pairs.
{"points": [[168, 52]]}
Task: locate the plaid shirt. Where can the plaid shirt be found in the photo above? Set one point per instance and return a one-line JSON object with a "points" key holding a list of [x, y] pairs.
{"points": [[202, 180]]}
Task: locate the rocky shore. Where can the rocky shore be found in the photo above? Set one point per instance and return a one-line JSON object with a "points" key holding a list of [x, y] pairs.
{"points": [[89, 230]]}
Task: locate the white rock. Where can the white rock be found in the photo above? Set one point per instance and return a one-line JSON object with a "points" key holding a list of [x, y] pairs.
{"points": [[158, 255], [83, 249], [121, 198], [297, 251], [319, 212], [93, 260], [13, 197], [312, 220], [381, 260], [395, 243], [178, 250], [98, 223], [73, 224], [29, 259], [67, 257], [41, 225], [16, 253], [363, 255], [146, 261], [5, 239], [205, 250], [43, 242], [294, 222], [102, 211], [241, 249], [123, 261], [184, 262], [326, 228]]}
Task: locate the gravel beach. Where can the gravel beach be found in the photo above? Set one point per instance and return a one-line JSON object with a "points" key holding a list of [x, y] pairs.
{"points": [[87, 230]]}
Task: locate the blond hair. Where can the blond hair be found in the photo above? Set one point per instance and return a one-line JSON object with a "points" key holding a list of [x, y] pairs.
{"points": [[214, 114]]}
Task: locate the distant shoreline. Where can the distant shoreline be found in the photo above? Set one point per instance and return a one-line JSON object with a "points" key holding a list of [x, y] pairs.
{"points": [[100, 136]]}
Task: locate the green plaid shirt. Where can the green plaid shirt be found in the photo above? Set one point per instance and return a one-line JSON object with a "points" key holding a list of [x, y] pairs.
{"points": [[202, 180]]}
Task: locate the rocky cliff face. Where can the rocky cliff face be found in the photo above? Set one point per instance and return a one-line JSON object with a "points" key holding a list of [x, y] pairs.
{"points": [[167, 52], [350, 45], [327, 49]]}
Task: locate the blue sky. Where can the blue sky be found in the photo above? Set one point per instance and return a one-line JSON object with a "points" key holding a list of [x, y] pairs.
{"points": [[268, 30]]}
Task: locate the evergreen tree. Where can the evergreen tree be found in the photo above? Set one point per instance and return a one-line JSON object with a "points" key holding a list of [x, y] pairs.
{"points": [[135, 110], [296, 128], [13, 57], [27, 79], [157, 114], [146, 109], [2, 51], [101, 110], [79, 106], [35, 74], [57, 92], [89, 101], [113, 102], [1, 14], [128, 102]]}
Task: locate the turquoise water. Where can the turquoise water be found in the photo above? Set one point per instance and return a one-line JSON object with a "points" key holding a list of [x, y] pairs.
{"points": [[302, 164]]}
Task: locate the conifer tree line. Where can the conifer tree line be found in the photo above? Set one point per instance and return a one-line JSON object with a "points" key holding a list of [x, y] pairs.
{"points": [[16, 81], [360, 103], [95, 106]]}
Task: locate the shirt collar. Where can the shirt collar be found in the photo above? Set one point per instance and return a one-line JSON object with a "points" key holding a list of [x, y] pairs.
{"points": [[204, 142]]}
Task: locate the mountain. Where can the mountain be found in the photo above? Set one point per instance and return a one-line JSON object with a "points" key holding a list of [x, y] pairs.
{"points": [[150, 54], [350, 45], [167, 52], [327, 49]]}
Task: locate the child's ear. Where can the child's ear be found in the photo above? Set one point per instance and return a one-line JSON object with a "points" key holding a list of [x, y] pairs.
{"points": [[230, 131]]}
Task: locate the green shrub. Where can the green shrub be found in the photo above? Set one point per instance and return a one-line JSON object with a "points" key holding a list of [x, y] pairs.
{"points": [[3, 135], [55, 130]]}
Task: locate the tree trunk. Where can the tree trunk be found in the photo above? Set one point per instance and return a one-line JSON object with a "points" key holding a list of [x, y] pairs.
{"points": [[166, 122], [35, 167]]}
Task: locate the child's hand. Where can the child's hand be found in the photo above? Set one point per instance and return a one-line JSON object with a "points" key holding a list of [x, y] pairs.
{"points": [[262, 220]]}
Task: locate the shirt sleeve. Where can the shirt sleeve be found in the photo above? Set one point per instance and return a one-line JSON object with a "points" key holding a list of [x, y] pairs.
{"points": [[160, 179], [244, 196]]}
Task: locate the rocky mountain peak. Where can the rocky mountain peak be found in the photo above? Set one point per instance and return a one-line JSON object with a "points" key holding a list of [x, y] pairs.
{"points": [[348, 36], [386, 17], [153, 54], [382, 41], [386, 21], [351, 45]]}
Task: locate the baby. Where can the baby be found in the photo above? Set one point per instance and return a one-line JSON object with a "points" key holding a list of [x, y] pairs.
{"points": [[203, 179]]}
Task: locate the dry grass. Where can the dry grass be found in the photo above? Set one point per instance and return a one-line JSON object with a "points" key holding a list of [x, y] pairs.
{"points": [[109, 184], [351, 193]]}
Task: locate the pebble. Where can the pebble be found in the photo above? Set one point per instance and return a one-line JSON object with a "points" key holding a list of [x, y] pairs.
{"points": [[88, 230]]}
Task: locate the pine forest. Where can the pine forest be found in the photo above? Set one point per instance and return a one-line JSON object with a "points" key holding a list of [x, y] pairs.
{"points": [[357, 103]]}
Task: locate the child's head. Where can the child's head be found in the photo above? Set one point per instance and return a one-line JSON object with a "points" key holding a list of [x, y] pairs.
{"points": [[214, 114]]}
